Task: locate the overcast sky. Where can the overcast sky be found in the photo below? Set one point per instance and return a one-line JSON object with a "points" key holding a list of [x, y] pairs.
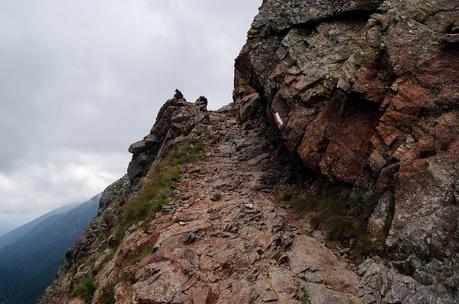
{"points": [[81, 80]]}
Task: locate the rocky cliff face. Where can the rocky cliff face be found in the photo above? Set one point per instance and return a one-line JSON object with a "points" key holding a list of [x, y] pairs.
{"points": [[365, 95], [178, 121], [219, 237]]}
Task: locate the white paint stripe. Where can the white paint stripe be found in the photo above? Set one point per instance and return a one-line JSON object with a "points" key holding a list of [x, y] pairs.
{"points": [[278, 120]]}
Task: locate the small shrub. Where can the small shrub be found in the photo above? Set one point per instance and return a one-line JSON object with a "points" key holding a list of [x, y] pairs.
{"points": [[141, 252], [85, 289], [342, 217], [290, 193], [306, 297], [188, 155], [108, 297]]}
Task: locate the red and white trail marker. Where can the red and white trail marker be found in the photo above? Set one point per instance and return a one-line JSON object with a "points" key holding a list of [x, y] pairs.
{"points": [[278, 120]]}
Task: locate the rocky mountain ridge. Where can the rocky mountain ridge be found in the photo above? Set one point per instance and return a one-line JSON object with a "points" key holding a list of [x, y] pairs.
{"points": [[28, 266], [346, 111], [219, 239]]}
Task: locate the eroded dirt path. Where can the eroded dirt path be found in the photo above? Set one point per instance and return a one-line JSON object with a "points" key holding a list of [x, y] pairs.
{"points": [[224, 240]]}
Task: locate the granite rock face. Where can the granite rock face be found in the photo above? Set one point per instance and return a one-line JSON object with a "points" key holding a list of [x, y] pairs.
{"points": [[366, 94]]}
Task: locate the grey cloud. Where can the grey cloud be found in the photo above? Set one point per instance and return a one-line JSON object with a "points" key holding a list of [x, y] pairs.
{"points": [[80, 80]]}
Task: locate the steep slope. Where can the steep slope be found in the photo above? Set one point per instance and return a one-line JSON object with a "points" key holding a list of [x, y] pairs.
{"points": [[29, 263], [346, 111], [220, 238], [5, 228], [133, 198], [23, 230]]}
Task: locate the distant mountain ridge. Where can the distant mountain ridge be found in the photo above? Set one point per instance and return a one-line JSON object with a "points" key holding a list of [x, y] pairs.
{"points": [[15, 234], [5, 228], [30, 254]]}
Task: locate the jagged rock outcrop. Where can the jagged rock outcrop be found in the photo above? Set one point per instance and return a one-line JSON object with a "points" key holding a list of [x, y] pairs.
{"points": [[366, 93], [178, 120]]}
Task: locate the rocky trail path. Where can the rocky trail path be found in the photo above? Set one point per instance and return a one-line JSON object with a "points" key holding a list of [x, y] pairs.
{"points": [[224, 240]]}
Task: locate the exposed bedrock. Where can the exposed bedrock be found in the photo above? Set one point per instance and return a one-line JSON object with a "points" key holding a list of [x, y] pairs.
{"points": [[177, 118], [366, 93], [177, 121]]}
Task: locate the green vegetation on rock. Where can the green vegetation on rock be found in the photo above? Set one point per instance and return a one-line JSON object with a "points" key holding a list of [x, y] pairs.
{"points": [[336, 212], [305, 297], [141, 252], [85, 289], [108, 297], [159, 187]]}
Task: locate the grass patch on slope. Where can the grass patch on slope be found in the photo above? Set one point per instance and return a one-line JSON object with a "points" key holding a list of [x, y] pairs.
{"points": [[85, 289], [305, 296], [143, 251], [334, 211], [108, 297], [159, 188]]}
